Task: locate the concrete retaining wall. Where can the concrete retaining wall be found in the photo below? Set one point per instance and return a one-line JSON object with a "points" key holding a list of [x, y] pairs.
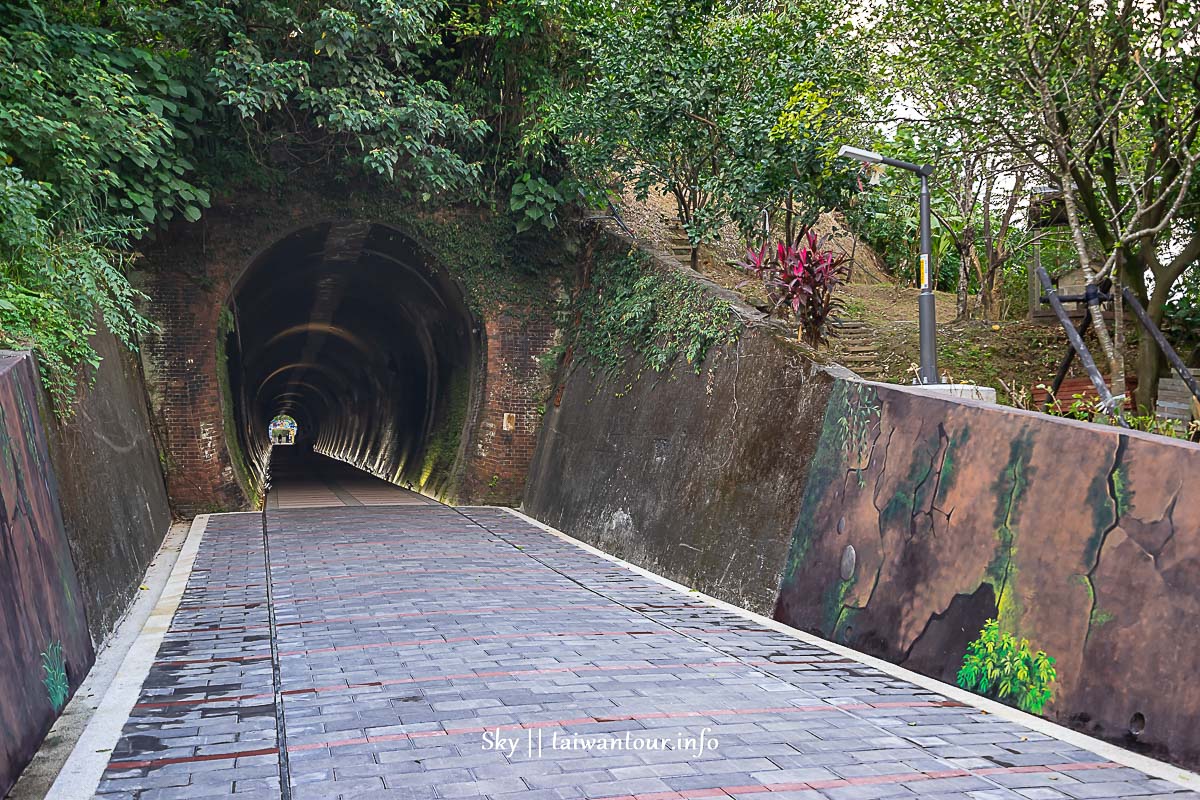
{"points": [[750, 481], [1082, 538], [114, 501], [44, 646], [695, 476]]}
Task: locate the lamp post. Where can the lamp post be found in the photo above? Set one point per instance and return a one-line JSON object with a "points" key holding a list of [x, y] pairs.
{"points": [[926, 308]]}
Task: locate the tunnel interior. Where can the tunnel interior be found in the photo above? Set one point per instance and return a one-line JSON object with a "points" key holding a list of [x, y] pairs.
{"points": [[353, 332]]}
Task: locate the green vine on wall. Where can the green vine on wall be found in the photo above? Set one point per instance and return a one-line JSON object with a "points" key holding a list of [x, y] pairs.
{"points": [[658, 313], [494, 263]]}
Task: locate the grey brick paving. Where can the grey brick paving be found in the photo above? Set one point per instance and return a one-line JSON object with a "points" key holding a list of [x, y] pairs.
{"points": [[408, 635]]}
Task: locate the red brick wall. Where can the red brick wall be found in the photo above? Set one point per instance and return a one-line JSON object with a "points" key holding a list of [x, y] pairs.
{"points": [[181, 376], [498, 459]]}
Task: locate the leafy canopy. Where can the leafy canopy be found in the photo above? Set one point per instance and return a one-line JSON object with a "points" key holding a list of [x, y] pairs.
{"points": [[93, 143], [727, 109]]}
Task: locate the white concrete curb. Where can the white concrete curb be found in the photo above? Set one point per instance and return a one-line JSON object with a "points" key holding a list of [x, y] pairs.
{"points": [[85, 767], [1108, 752]]}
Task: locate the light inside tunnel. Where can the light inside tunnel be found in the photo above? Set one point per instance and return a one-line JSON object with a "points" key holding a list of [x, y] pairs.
{"points": [[353, 333], [282, 430]]}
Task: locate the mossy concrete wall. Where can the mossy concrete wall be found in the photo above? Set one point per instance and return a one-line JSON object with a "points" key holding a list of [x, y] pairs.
{"points": [[110, 476], [1083, 538], [698, 477]]}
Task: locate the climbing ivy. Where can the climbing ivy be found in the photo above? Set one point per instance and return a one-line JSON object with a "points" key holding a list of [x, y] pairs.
{"points": [[658, 313]]}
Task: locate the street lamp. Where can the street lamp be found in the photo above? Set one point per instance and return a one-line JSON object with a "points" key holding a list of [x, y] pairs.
{"points": [[925, 303]]}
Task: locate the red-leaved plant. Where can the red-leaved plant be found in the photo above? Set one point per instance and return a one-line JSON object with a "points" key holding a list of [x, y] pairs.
{"points": [[802, 278]]}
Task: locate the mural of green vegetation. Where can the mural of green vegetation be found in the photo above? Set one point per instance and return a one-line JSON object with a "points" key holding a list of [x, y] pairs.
{"points": [[1000, 666], [845, 436], [1010, 485], [55, 679]]}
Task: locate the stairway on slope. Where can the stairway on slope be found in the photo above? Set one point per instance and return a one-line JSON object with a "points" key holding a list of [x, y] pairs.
{"points": [[854, 341]]}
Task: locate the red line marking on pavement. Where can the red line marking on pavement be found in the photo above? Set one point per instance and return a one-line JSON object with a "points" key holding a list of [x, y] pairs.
{"points": [[320, 547], [436, 571], [363, 618], [719, 712], [381, 592], [865, 780], [508, 673], [397, 615], [492, 637], [416, 642], [359, 575], [162, 762], [490, 554]]}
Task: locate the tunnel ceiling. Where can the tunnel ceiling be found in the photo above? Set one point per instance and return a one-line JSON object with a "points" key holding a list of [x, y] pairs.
{"points": [[348, 329]]}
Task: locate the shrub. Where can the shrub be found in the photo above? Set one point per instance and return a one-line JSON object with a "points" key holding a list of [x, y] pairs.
{"points": [[800, 278], [1000, 666]]}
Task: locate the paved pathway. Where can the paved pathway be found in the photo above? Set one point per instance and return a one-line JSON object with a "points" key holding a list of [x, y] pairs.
{"points": [[304, 479], [406, 636]]}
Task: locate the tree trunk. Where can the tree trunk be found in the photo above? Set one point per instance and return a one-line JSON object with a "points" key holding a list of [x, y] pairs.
{"points": [[1119, 333], [1150, 359], [963, 279], [987, 291]]}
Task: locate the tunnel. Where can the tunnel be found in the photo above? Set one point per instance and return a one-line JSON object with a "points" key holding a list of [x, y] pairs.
{"points": [[368, 344]]}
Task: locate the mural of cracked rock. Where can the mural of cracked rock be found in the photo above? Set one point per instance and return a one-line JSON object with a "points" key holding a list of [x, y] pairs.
{"points": [[1082, 538], [45, 649]]}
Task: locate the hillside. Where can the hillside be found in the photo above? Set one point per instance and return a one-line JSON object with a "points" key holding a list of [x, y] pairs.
{"points": [[877, 335]]}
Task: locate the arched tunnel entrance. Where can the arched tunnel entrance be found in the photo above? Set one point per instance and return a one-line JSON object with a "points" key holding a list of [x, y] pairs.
{"points": [[351, 331]]}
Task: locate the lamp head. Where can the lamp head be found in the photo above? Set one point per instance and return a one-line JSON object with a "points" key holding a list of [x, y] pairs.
{"points": [[865, 156]]}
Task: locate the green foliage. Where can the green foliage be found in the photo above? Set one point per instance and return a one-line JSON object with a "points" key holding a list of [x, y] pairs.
{"points": [[534, 202], [54, 667], [102, 127], [92, 141], [1181, 315], [887, 218], [306, 83], [1100, 98], [1000, 666], [728, 109], [1089, 409], [658, 313]]}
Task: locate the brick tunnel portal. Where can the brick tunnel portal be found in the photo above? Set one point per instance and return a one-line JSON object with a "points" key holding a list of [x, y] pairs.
{"points": [[349, 329]]}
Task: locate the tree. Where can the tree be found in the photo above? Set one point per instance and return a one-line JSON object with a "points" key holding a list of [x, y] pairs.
{"points": [[1104, 101], [94, 143], [311, 84], [728, 109]]}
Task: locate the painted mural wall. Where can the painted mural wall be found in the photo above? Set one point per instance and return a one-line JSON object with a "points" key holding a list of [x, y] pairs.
{"points": [[923, 517], [45, 649]]}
